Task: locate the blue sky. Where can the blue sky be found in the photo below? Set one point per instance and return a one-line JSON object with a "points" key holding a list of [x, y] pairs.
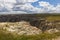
{"points": [[53, 2], [30, 6]]}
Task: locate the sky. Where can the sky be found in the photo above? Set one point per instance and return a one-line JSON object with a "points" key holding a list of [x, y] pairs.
{"points": [[30, 6]]}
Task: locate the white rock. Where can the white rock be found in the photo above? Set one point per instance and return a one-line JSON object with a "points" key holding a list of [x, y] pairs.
{"points": [[22, 28]]}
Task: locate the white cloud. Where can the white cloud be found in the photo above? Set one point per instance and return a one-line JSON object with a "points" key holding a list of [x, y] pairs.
{"points": [[44, 4], [9, 1], [58, 8], [9, 4], [25, 1], [27, 7], [1, 5], [50, 8], [47, 8]]}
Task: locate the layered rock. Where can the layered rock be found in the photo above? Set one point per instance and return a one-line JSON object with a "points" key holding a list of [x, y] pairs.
{"points": [[20, 28]]}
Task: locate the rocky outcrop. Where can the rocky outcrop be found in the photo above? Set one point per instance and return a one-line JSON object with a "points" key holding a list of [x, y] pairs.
{"points": [[20, 28], [24, 27], [31, 21]]}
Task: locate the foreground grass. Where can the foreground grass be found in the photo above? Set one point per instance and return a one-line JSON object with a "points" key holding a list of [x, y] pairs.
{"points": [[43, 36]]}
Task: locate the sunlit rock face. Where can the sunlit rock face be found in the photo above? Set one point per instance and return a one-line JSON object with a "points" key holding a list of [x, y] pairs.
{"points": [[20, 28], [24, 27], [51, 31]]}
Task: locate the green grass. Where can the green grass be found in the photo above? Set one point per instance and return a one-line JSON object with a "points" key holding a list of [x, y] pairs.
{"points": [[43, 36], [53, 18], [49, 17]]}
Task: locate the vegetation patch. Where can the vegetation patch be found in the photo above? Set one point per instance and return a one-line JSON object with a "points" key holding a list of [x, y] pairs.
{"points": [[43, 36]]}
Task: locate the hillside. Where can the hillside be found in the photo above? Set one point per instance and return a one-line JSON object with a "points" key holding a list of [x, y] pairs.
{"points": [[30, 26]]}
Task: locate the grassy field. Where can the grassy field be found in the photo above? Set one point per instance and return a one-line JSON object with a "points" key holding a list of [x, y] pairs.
{"points": [[50, 17], [43, 36], [53, 18]]}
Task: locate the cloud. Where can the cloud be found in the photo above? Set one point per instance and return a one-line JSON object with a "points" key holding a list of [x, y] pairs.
{"points": [[6, 5], [9, 1], [50, 8], [29, 8], [26, 1], [47, 8], [44, 4], [10, 4], [57, 8], [1, 6], [25, 6]]}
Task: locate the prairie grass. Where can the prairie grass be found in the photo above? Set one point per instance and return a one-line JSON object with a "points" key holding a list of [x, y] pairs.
{"points": [[43, 36], [53, 18]]}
